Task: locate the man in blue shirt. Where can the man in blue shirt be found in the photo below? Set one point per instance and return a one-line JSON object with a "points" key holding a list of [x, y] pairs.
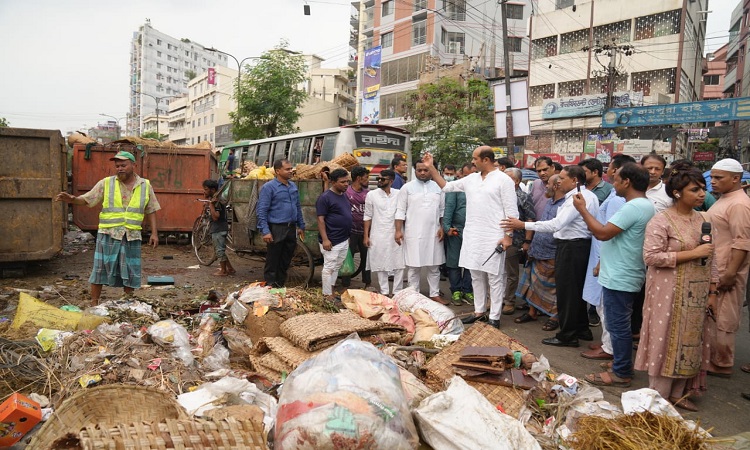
{"points": [[399, 165], [334, 225], [622, 270], [279, 215]]}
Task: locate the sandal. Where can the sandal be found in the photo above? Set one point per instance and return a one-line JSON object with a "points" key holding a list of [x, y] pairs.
{"points": [[607, 379], [525, 317], [551, 325], [606, 365], [745, 368], [597, 354], [683, 403]]}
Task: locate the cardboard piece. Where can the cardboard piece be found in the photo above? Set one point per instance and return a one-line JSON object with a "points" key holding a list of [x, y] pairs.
{"points": [[18, 415]]}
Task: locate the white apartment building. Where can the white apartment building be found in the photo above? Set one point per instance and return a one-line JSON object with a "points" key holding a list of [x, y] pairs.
{"points": [[177, 117], [331, 85], [160, 68], [208, 105], [420, 35], [663, 66]]}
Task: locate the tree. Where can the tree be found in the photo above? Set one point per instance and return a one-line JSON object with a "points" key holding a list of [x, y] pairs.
{"points": [[4, 122], [450, 118], [190, 74], [153, 135], [270, 96]]}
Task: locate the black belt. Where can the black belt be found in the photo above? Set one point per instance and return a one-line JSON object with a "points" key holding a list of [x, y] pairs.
{"points": [[558, 241], [285, 224]]}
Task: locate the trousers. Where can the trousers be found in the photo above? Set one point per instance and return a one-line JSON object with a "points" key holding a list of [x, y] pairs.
{"points": [[480, 281], [332, 261], [398, 281], [433, 278]]}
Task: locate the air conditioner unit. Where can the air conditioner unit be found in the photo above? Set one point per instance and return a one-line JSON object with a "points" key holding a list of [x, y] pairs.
{"points": [[454, 47]]}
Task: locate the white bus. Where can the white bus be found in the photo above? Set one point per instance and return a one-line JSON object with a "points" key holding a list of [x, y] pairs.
{"points": [[374, 146]]}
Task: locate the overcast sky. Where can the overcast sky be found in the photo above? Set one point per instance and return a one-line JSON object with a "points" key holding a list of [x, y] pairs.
{"points": [[66, 61]]}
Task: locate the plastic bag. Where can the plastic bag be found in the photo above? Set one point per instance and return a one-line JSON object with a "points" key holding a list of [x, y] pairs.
{"points": [[349, 393], [409, 300], [170, 333], [217, 359], [43, 315], [347, 269], [462, 418]]}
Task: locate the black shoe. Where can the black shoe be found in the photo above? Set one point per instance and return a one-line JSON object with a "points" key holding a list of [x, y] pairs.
{"points": [[594, 319], [585, 335], [474, 318], [494, 323], [558, 343]]}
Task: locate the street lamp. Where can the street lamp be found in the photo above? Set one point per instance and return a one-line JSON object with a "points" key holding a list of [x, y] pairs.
{"points": [[239, 72], [157, 99], [116, 120]]}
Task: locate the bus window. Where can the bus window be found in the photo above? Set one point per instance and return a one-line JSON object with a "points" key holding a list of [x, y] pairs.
{"points": [[329, 148], [263, 154], [282, 150], [248, 153], [299, 150], [317, 149]]}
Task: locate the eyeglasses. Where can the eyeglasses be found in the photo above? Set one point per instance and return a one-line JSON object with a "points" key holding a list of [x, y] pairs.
{"points": [[382, 178]]}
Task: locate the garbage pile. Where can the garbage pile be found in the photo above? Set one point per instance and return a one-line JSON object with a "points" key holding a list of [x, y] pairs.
{"points": [[284, 367]]}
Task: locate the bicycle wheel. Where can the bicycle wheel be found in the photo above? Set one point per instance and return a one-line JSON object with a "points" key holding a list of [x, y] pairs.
{"points": [[201, 240], [302, 267]]}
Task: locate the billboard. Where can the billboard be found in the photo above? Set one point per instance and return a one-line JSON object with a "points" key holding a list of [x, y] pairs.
{"points": [[587, 105], [371, 86], [706, 111]]}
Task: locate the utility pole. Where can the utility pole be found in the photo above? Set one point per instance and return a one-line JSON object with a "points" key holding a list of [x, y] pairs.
{"points": [[508, 69], [611, 69]]}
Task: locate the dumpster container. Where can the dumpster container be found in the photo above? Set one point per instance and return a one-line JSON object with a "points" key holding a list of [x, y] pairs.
{"points": [[176, 175], [32, 173]]}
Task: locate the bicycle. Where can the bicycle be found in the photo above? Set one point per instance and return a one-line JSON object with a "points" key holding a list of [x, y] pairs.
{"points": [[300, 271]]}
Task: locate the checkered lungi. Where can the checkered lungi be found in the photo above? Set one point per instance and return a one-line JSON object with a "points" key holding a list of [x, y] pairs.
{"points": [[116, 263]]}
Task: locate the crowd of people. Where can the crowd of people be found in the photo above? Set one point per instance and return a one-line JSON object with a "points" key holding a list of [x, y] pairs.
{"points": [[639, 248]]}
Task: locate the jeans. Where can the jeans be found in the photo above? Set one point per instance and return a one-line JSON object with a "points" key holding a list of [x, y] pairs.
{"points": [[460, 280], [220, 245], [619, 311]]}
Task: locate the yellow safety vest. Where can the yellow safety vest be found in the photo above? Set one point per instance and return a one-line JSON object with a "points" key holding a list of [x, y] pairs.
{"points": [[114, 214]]}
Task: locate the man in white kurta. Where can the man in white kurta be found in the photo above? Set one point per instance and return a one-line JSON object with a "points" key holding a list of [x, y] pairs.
{"points": [[490, 198], [384, 254], [419, 214]]}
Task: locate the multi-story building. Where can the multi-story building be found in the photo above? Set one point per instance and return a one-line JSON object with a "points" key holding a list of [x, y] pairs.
{"points": [[658, 60], [332, 85], [420, 35], [208, 105], [737, 77], [714, 69], [106, 132], [160, 68]]}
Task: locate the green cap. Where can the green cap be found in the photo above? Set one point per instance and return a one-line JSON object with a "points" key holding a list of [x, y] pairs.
{"points": [[123, 155]]}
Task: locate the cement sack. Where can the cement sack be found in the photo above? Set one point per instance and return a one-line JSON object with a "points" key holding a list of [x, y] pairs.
{"points": [[461, 418], [409, 300]]}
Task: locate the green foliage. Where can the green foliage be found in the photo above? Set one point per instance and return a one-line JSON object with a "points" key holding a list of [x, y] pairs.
{"points": [[190, 74], [450, 118], [153, 135], [269, 96], [4, 122]]}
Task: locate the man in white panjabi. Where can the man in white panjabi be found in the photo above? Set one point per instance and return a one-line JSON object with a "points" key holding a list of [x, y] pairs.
{"points": [[384, 254], [490, 198], [419, 228]]}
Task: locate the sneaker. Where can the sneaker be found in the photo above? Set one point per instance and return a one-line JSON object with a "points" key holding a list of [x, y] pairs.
{"points": [[469, 298], [594, 320], [456, 298]]}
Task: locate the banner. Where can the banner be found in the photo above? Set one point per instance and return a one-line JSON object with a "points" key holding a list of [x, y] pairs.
{"points": [[211, 75], [697, 135], [693, 112], [371, 72], [587, 105], [371, 109]]}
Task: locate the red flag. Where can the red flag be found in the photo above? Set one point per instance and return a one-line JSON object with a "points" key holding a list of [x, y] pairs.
{"points": [[211, 75]]}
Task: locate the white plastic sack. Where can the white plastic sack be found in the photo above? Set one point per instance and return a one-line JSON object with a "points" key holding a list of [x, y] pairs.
{"points": [[350, 393], [409, 300], [461, 418], [171, 333]]}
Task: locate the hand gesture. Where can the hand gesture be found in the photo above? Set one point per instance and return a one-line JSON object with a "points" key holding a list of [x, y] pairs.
{"points": [[427, 159], [65, 197], [512, 224], [579, 202]]}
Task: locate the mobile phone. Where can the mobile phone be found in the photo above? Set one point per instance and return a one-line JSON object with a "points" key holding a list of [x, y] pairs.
{"points": [[578, 186]]}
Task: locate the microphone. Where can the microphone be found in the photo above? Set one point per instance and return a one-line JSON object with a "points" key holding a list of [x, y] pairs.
{"points": [[705, 237]]}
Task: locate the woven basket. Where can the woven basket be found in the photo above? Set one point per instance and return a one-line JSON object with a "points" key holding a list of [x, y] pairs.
{"points": [[346, 160], [440, 368], [315, 331], [273, 362], [264, 371], [285, 350], [104, 406], [226, 434], [307, 172]]}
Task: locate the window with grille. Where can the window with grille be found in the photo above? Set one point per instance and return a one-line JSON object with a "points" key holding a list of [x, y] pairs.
{"points": [[657, 25], [455, 9], [402, 70], [711, 80], [420, 5], [514, 12], [387, 8], [386, 39], [655, 82], [574, 41], [545, 47], [419, 32], [612, 32], [572, 88], [515, 44], [537, 94], [455, 43]]}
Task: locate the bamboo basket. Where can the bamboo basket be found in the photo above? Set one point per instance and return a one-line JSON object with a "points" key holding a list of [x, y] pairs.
{"points": [[105, 406]]}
